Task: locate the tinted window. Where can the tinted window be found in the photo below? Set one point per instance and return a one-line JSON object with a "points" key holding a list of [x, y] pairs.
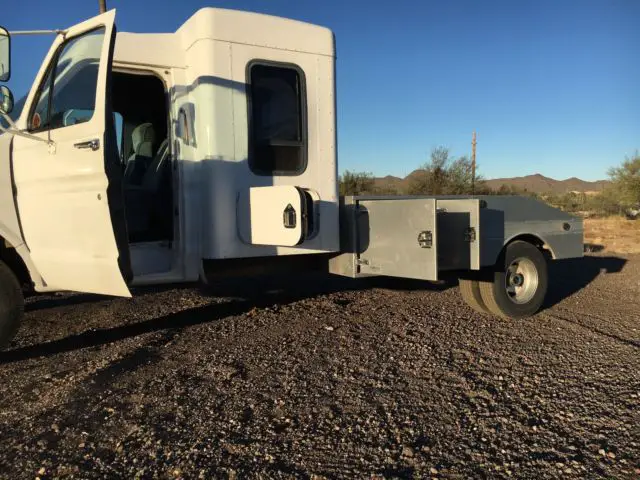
{"points": [[277, 123], [69, 98]]}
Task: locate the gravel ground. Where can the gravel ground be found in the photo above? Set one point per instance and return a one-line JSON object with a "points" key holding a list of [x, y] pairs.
{"points": [[314, 377]]}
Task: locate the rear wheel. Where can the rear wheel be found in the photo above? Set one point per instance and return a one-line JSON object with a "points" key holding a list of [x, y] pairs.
{"points": [[11, 305], [518, 284], [470, 291]]}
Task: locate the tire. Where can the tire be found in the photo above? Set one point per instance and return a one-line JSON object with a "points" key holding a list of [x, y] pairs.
{"points": [[517, 286], [11, 305], [470, 291]]}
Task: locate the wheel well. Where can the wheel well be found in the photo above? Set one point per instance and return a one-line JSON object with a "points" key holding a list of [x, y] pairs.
{"points": [[535, 241], [11, 258]]}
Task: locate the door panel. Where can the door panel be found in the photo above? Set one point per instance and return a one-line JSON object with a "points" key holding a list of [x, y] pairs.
{"points": [[459, 234], [398, 238], [62, 187], [273, 216]]}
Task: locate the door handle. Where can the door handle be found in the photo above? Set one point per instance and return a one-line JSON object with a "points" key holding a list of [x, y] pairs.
{"points": [[92, 144]]}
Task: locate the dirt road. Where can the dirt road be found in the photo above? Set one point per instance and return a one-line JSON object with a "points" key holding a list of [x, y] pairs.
{"points": [[319, 377]]}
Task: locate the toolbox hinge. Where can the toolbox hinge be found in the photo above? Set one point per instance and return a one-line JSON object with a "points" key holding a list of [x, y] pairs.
{"points": [[470, 234], [425, 239]]}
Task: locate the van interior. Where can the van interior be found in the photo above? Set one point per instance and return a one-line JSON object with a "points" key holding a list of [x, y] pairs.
{"points": [[142, 119]]}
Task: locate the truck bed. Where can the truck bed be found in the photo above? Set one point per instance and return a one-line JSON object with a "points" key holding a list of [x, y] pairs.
{"points": [[420, 236]]}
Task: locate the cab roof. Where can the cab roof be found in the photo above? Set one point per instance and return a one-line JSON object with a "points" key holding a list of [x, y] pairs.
{"points": [[233, 26], [236, 26]]}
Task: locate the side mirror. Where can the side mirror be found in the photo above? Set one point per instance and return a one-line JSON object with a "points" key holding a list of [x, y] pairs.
{"points": [[5, 55], [6, 100]]}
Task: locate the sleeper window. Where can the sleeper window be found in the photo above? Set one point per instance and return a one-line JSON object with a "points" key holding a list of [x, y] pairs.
{"points": [[277, 121]]}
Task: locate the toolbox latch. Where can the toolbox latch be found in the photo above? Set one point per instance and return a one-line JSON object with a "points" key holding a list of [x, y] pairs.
{"points": [[289, 217]]}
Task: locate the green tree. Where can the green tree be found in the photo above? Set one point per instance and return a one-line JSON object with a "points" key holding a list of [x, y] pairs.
{"points": [[429, 179], [626, 180], [460, 176], [443, 175]]}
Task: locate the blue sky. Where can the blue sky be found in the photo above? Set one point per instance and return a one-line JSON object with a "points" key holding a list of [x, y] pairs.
{"points": [[550, 86]]}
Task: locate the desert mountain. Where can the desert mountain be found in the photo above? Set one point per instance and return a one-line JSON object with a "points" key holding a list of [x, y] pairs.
{"points": [[540, 184], [532, 183]]}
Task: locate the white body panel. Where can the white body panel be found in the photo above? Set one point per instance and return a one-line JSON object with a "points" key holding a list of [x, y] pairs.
{"points": [[217, 55], [148, 49]]}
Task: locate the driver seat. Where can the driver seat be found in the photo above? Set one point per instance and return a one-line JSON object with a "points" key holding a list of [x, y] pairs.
{"points": [[143, 138], [148, 204]]}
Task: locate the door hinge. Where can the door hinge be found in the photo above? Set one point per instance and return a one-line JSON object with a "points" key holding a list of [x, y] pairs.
{"points": [[425, 239], [470, 234]]}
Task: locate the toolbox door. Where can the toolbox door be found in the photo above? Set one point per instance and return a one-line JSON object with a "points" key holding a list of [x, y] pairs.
{"points": [[276, 215], [398, 238], [459, 234]]}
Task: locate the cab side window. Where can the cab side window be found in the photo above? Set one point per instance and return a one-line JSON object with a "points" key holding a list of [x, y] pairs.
{"points": [[67, 96]]}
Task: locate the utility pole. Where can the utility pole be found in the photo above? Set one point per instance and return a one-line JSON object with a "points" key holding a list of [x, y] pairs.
{"points": [[103, 5], [473, 163]]}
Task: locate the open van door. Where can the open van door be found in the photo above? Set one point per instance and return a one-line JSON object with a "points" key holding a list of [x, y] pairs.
{"points": [[68, 184]]}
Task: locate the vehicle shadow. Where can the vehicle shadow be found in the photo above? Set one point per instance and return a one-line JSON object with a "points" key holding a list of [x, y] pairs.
{"points": [[566, 277], [307, 285], [241, 295], [238, 297], [67, 299]]}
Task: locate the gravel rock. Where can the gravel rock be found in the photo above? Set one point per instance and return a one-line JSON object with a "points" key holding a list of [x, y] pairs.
{"points": [[247, 381]]}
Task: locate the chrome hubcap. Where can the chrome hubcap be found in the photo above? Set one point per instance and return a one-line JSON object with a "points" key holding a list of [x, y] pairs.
{"points": [[521, 280]]}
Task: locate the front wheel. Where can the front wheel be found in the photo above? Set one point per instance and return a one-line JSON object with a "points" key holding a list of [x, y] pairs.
{"points": [[518, 284], [11, 305]]}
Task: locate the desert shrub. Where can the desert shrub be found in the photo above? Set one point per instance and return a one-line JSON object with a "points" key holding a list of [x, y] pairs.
{"points": [[569, 202], [623, 192], [505, 189], [604, 203], [386, 190], [625, 180], [356, 183]]}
